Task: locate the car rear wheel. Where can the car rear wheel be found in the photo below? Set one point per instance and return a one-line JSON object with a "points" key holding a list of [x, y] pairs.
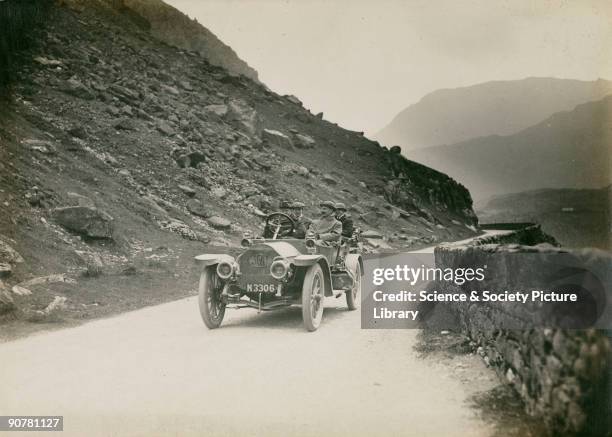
{"points": [[212, 308], [352, 295], [313, 295]]}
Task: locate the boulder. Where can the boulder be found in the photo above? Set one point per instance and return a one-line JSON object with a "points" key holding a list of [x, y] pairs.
{"points": [[219, 192], [219, 222], [112, 110], [8, 254], [78, 132], [76, 88], [396, 150], [276, 138], [180, 228], [186, 85], [170, 89], [218, 110], [165, 128], [75, 199], [124, 123], [256, 211], [21, 291], [245, 117], [329, 179], [190, 160], [127, 110], [92, 262], [304, 141], [295, 168], [47, 62], [42, 146], [49, 279], [249, 191], [196, 207], [5, 270], [124, 94], [86, 221], [187, 190], [294, 100]]}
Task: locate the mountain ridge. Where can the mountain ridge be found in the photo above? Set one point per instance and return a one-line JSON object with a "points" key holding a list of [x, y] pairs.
{"points": [[569, 149], [452, 115]]}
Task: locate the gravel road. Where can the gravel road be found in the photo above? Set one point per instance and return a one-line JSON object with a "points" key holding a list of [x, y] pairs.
{"points": [[159, 371]]}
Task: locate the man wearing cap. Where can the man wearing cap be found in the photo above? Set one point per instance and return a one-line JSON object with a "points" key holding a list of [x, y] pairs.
{"points": [[345, 218], [296, 211], [326, 229]]}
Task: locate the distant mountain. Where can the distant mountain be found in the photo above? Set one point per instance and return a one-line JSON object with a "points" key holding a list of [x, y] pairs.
{"points": [[493, 108], [173, 27], [576, 218], [570, 149]]}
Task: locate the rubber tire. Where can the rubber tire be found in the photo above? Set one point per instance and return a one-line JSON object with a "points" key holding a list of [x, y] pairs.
{"points": [[313, 272], [352, 299], [210, 320]]}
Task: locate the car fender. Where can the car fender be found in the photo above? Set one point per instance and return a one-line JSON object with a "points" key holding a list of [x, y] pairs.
{"points": [[310, 260], [210, 259], [351, 263]]}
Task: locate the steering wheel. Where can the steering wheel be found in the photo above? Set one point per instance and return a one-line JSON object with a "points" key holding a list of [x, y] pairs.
{"points": [[278, 225]]}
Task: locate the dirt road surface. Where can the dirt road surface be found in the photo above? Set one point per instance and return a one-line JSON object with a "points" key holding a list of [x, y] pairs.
{"points": [[159, 371]]}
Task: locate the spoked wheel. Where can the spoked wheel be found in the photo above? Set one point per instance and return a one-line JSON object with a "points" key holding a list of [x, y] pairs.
{"points": [[352, 295], [212, 309], [313, 295]]}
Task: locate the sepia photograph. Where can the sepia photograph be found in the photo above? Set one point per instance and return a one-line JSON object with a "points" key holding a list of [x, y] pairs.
{"points": [[306, 218]]}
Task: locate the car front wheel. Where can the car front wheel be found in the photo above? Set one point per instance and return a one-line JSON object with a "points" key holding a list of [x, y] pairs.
{"points": [[212, 308], [313, 295]]}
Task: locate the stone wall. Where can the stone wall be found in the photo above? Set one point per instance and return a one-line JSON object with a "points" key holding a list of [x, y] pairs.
{"points": [[562, 375]]}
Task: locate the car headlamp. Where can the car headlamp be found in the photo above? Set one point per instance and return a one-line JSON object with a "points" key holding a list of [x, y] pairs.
{"points": [[279, 268], [225, 269]]}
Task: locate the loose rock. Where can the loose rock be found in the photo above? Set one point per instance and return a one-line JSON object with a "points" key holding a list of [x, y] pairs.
{"points": [[86, 221], [276, 138], [8, 254], [196, 207], [219, 222]]}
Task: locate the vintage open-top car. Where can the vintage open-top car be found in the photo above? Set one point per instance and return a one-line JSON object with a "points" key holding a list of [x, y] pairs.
{"points": [[278, 272]]}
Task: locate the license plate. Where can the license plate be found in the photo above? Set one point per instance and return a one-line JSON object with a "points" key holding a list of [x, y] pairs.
{"points": [[262, 288]]}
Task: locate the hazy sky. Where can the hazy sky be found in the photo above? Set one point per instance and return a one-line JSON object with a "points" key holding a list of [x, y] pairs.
{"points": [[361, 62]]}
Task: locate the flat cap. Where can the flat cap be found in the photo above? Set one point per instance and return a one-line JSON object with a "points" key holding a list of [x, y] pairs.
{"points": [[328, 203], [297, 205], [341, 206]]}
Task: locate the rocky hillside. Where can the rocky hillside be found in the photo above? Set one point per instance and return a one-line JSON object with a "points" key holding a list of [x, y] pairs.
{"points": [[570, 149], [122, 157], [451, 116], [175, 28], [576, 218]]}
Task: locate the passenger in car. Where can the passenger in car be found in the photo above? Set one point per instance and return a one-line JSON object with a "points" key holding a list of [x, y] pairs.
{"points": [[326, 229], [345, 218]]}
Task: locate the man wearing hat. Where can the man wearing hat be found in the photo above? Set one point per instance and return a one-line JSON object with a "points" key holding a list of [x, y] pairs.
{"points": [[345, 218], [327, 229], [296, 211]]}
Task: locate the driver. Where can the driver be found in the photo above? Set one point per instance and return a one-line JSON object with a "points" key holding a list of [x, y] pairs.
{"points": [[296, 212], [326, 229]]}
